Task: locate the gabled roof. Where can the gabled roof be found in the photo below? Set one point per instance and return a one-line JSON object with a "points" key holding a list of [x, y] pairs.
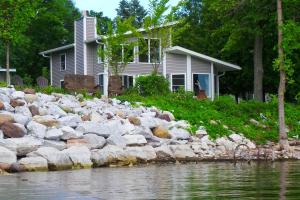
{"points": [[69, 46], [181, 50]]}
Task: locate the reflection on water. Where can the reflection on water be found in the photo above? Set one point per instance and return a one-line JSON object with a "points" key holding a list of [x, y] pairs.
{"points": [[190, 181]]}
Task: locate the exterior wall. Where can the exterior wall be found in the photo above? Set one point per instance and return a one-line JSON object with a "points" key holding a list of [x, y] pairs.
{"points": [[93, 68], [79, 46], [200, 66], [57, 73], [140, 68], [90, 28], [176, 63]]}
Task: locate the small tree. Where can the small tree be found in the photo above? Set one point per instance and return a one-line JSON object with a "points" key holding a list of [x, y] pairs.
{"points": [[15, 16]]}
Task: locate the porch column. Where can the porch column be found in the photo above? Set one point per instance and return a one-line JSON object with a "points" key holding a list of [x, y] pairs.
{"points": [[165, 65], [189, 73], [51, 72], [212, 78], [105, 81]]}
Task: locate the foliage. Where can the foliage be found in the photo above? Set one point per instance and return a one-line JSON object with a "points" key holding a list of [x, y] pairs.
{"points": [[102, 22], [225, 112], [152, 85]]}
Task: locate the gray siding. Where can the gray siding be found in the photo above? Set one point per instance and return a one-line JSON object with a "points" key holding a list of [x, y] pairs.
{"points": [[140, 68], [176, 63], [200, 66], [79, 47], [90, 28], [57, 74], [93, 68]]}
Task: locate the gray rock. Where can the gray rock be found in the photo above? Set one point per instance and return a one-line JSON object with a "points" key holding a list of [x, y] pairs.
{"points": [[227, 144], [96, 117], [34, 163], [8, 107], [21, 119], [164, 153], [55, 110], [44, 98], [59, 145], [70, 120], [236, 138], [53, 134], [149, 122], [80, 156], [116, 139], [183, 152], [30, 98], [95, 141], [21, 126], [142, 154], [4, 98], [1, 134], [7, 156], [135, 140], [179, 134], [70, 133], [24, 110], [18, 95], [57, 160], [146, 132], [36, 129]]}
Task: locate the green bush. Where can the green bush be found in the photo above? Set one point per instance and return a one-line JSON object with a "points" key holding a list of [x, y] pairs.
{"points": [[152, 85]]}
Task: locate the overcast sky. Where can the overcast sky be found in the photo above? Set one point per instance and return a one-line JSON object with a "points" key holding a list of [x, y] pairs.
{"points": [[108, 7]]}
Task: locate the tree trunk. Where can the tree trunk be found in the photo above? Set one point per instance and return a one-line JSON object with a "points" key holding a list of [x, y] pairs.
{"points": [[258, 68], [283, 138], [7, 63]]}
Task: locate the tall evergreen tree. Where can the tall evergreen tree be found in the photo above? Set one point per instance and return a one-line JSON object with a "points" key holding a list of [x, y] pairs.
{"points": [[102, 22]]}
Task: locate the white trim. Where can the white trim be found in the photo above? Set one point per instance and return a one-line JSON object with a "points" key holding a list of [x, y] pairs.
{"points": [[65, 54], [75, 57], [95, 20], [209, 81], [149, 51], [189, 72], [212, 81], [60, 82], [84, 48], [171, 82], [51, 71], [10, 70], [69, 46], [165, 65], [199, 55]]}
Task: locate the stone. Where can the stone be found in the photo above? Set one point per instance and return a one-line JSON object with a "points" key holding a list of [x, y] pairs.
{"points": [[201, 133], [11, 130], [146, 132], [161, 132], [70, 133], [30, 98], [85, 118], [213, 122], [7, 156], [29, 91], [121, 114], [165, 117], [236, 138], [34, 110], [55, 110], [33, 164], [53, 134], [57, 160], [142, 154], [164, 153], [183, 152], [229, 145], [2, 106], [148, 114], [1, 135], [149, 122], [80, 156], [24, 110], [22, 146], [17, 95], [21, 119], [116, 139], [14, 103], [77, 142], [6, 118], [111, 155], [8, 107], [170, 115], [46, 120], [254, 122], [4, 98], [95, 141], [36, 129], [135, 140], [70, 120], [134, 120], [59, 145], [179, 134]]}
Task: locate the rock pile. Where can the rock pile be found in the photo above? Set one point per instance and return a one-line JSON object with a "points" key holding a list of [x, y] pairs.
{"points": [[54, 132]]}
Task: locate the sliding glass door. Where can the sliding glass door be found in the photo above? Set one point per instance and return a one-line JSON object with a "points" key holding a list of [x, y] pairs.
{"points": [[202, 82]]}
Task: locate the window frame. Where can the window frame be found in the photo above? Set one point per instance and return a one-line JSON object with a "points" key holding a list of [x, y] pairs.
{"points": [[171, 81], [60, 55], [149, 50], [127, 75], [209, 82], [62, 80]]}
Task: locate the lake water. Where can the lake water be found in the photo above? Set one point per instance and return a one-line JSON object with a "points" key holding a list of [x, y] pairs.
{"points": [[220, 180]]}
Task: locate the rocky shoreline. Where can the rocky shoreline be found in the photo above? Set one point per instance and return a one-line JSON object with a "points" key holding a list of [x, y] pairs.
{"points": [[41, 132]]}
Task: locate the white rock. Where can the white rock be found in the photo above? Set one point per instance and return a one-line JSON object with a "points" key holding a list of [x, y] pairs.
{"points": [[4, 98], [70, 120], [80, 156], [21, 119], [57, 160], [164, 153], [70, 133], [95, 141], [135, 140], [150, 122], [236, 138], [30, 98], [146, 132], [179, 134], [142, 154], [229, 145], [24, 110], [1, 134], [7, 156], [53, 134], [44, 98], [183, 152], [96, 117], [21, 126], [116, 139], [8, 107], [36, 129], [148, 114], [18, 95], [34, 163], [110, 154], [59, 145], [55, 110]]}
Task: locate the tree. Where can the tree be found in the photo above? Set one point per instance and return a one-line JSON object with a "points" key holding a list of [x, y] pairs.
{"points": [[124, 10], [15, 16], [102, 22]]}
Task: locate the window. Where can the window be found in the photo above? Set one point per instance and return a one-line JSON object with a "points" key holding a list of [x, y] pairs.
{"points": [[63, 62], [100, 58], [143, 50], [101, 83], [128, 53], [62, 84], [178, 80], [127, 81], [201, 82], [155, 51], [149, 50]]}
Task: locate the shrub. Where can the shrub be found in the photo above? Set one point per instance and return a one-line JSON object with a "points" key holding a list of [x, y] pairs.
{"points": [[152, 85]]}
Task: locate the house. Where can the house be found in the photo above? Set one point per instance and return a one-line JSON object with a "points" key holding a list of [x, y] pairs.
{"points": [[3, 73], [183, 67]]}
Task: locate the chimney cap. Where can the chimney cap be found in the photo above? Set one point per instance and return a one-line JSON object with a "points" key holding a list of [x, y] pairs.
{"points": [[85, 13]]}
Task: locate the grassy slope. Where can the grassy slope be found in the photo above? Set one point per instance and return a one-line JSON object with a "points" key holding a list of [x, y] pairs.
{"points": [[226, 112]]}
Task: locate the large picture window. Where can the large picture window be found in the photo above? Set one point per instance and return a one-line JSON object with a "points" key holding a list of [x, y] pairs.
{"points": [[178, 80], [149, 50], [127, 81], [63, 62], [155, 51], [143, 50], [201, 82]]}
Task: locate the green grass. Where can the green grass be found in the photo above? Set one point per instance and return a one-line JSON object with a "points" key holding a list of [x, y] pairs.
{"points": [[226, 112]]}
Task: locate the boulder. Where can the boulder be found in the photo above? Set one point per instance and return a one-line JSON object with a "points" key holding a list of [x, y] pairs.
{"points": [[85, 118], [77, 142], [34, 110], [6, 118], [227, 144], [165, 117], [111, 155], [135, 140], [14, 103], [46, 120], [170, 115], [164, 153], [30, 98], [116, 139], [183, 152], [29, 91], [1, 135], [80, 156], [2, 106], [36, 129], [142, 154], [11, 130], [4, 98], [236, 138], [149, 122], [34, 164], [70, 133], [146, 132], [134, 120], [200, 133], [70, 120], [21, 119], [17, 95], [57, 160], [55, 110], [59, 145], [95, 141], [7, 156], [8, 107], [161, 132], [96, 117], [24, 110], [179, 134], [53, 134]]}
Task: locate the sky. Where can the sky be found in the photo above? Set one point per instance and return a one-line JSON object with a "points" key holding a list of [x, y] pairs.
{"points": [[108, 7]]}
